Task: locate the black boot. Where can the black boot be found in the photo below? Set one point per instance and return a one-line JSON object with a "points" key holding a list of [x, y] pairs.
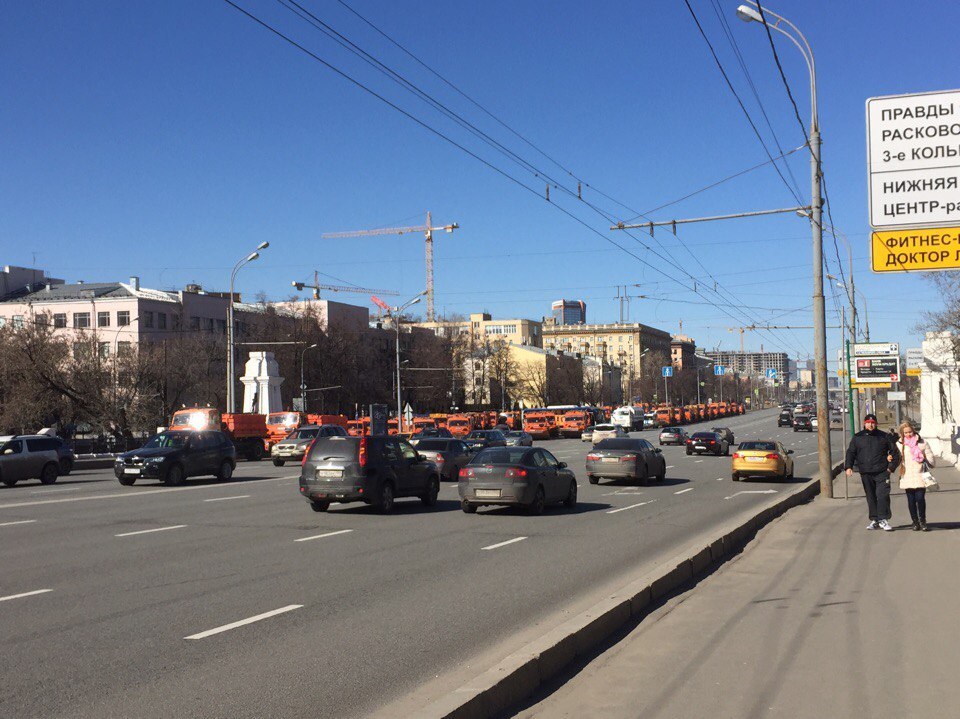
{"points": [[916, 525], [923, 525]]}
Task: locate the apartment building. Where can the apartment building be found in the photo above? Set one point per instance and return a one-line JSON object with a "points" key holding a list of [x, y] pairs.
{"points": [[619, 344], [753, 363], [481, 326]]}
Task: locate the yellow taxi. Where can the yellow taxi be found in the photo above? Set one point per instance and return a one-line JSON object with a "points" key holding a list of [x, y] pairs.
{"points": [[762, 458]]}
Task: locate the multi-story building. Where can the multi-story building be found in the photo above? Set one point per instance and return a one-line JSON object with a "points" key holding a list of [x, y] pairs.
{"points": [[569, 312], [753, 363], [537, 377], [682, 352], [482, 326]]}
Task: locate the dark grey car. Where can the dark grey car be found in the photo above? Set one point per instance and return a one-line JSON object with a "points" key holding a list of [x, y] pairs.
{"points": [[173, 456], [518, 439], [448, 454], [530, 477], [625, 458], [726, 434], [482, 438], [294, 446], [374, 469]]}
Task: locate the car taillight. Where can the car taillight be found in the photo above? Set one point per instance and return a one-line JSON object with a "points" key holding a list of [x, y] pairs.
{"points": [[773, 456], [736, 455], [466, 473], [628, 458], [515, 472], [438, 459], [307, 453], [689, 441], [363, 451], [713, 441], [593, 456]]}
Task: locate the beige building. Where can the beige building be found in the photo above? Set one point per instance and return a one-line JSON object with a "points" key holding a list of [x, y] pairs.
{"points": [[539, 377], [482, 326], [682, 351], [619, 344]]}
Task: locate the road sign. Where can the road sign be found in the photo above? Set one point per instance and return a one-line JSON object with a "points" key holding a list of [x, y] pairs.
{"points": [[913, 250], [299, 404], [408, 414], [914, 361], [896, 396], [876, 369], [871, 349], [668, 371], [378, 419], [719, 369], [771, 373], [913, 159], [871, 385]]}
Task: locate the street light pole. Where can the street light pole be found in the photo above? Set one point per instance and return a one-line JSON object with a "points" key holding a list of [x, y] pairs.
{"points": [[303, 386], [231, 402], [750, 14], [397, 311]]}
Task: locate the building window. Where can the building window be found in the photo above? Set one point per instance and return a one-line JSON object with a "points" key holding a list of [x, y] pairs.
{"points": [[161, 320], [194, 323], [17, 321], [123, 318], [148, 319], [81, 320], [123, 349], [60, 320], [104, 349], [103, 319]]}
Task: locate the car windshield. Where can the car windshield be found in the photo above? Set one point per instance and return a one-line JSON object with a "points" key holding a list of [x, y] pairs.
{"points": [[500, 455], [633, 444], [287, 418], [305, 433], [437, 445], [670, 430], [166, 440], [514, 434], [478, 435], [604, 428], [758, 446]]}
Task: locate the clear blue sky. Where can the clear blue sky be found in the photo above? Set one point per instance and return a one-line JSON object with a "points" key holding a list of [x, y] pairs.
{"points": [[168, 139]]}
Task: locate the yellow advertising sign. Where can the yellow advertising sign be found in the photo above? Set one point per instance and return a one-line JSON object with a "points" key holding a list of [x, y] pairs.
{"points": [[869, 385], [913, 371], [913, 250]]}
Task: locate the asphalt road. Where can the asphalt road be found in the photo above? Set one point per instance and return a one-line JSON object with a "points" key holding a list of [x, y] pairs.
{"points": [[237, 600]]}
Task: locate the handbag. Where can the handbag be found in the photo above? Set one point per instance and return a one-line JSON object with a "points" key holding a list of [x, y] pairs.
{"points": [[929, 481]]}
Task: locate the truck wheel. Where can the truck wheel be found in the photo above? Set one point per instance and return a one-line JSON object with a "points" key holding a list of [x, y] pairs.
{"points": [[49, 474], [256, 453], [278, 463]]}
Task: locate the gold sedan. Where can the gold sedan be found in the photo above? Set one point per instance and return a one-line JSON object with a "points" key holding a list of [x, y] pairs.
{"points": [[762, 459]]}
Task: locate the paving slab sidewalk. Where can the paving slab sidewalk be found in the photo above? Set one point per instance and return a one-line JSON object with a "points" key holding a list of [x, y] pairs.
{"points": [[817, 617]]}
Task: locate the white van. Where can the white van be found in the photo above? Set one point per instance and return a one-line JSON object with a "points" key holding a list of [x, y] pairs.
{"points": [[628, 417]]}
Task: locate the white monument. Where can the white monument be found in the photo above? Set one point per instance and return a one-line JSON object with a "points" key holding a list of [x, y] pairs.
{"points": [[261, 384], [939, 395]]}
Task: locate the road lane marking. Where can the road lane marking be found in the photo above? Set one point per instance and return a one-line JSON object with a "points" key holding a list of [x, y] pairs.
{"points": [[504, 544], [697, 461], [131, 493], [224, 499], [52, 491], [719, 479], [632, 506], [688, 489], [150, 531], [19, 521], [669, 466], [25, 594], [243, 622], [321, 536], [752, 491]]}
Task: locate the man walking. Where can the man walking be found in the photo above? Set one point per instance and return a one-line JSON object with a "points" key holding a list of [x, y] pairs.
{"points": [[872, 453]]}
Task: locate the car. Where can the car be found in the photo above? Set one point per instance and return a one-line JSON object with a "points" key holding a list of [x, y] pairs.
{"points": [[528, 477], [814, 421], [65, 454], [607, 431], [448, 454], [374, 469], [176, 455], [802, 422], [29, 457], [625, 458], [785, 419], [295, 445], [429, 433], [703, 442], [518, 438], [482, 438], [762, 458], [726, 433], [836, 421], [673, 435], [587, 434]]}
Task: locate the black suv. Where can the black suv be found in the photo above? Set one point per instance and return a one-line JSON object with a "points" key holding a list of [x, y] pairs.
{"points": [[431, 433], [785, 419], [802, 422], [375, 469], [482, 438], [173, 456]]}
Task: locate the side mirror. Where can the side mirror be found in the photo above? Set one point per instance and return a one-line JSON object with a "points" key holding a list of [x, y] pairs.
{"points": [[657, 450], [789, 451], [562, 465], [421, 458]]}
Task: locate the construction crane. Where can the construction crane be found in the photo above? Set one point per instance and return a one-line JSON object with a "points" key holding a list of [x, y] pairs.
{"points": [[427, 229], [316, 287]]}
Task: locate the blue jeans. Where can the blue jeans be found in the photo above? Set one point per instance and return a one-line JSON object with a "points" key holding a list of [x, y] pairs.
{"points": [[917, 503]]}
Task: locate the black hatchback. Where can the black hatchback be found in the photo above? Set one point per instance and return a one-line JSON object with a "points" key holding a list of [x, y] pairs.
{"points": [[174, 456]]}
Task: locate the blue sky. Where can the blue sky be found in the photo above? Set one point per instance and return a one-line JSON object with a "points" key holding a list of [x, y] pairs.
{"points": [[168, 139]]}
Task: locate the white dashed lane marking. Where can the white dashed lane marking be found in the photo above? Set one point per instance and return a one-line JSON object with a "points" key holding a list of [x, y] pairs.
{"points": [[244, 622], [321, 536], [632, 506], [688, 489], [504, 544], [151, 531], [25, 594]]}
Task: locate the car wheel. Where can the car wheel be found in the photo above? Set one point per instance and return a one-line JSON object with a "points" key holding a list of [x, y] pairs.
{"points": [[433, 491], [319, 505], [174, 476], [385, 505], [226, 471], [10, 482], [539, 502], [593, 479], [735, 477], [571, 501], [467, 507], [726, 452], [49, 474], [278, 463], [66, 466], [127, 481], [689, 452], [662, 475]]}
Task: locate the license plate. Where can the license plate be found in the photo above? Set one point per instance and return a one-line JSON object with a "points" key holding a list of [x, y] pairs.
{"points": [[488, 493], [131, 470], [756, 459], [609, 459], [329, 473], [699, 446]]}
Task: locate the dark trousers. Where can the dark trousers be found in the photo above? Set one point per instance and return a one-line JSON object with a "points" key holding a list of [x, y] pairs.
{"points": [[876, 486], [917, 502]]}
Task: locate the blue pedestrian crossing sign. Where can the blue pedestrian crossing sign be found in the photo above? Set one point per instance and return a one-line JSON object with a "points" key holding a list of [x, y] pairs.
{"points": [[719, 369], [668, 371], [771, 373]]}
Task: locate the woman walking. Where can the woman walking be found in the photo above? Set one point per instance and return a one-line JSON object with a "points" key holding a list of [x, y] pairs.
{"points": [[914, 453]]}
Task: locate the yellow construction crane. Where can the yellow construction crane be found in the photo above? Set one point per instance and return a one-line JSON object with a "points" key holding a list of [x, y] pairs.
{"points": [[316, 287], [427, 229]]}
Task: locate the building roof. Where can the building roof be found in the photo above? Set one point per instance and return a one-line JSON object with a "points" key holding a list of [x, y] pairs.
{"points": [[65, 293]]}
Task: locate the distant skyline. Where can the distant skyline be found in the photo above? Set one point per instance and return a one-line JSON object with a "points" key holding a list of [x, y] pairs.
{"points": [[168, 140]]}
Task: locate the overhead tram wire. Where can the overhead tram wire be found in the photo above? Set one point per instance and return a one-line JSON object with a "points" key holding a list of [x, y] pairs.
{"points": [[485, 162]]}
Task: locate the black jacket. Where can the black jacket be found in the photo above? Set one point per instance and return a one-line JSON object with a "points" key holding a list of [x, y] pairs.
{"points": [[868, 452]]}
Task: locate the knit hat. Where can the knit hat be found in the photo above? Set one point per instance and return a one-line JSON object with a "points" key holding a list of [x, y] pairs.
{"points": [[870, 418]]}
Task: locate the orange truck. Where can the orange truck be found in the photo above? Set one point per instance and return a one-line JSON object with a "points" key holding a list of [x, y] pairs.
{"points": [[248, 432], [574, 422], [460, 425], [540, 425], [358, 427], [422, 423], [664, 416], [439, 419], [281, 424]]}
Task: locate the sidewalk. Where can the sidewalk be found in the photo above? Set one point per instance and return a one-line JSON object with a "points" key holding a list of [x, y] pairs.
{"points": [[816, 618]]}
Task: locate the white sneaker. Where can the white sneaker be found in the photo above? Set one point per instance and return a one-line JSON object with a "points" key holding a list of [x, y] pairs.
{"points": [[873, 525], [885, 525]]}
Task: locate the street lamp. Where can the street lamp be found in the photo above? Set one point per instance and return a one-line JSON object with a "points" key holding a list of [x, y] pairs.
{"points": [[396, 312], [231, 404], [303, 385], [751, 12]]}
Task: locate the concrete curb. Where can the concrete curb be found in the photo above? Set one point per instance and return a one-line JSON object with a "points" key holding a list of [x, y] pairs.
{"points": [[519, 675]]}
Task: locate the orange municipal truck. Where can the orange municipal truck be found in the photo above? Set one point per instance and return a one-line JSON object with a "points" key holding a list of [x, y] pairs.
{"points": [[460, 425], [248, 432], [574, 422]]}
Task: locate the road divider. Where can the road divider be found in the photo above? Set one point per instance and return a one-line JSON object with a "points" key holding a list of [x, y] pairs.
{"points": [[244, 622]]}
